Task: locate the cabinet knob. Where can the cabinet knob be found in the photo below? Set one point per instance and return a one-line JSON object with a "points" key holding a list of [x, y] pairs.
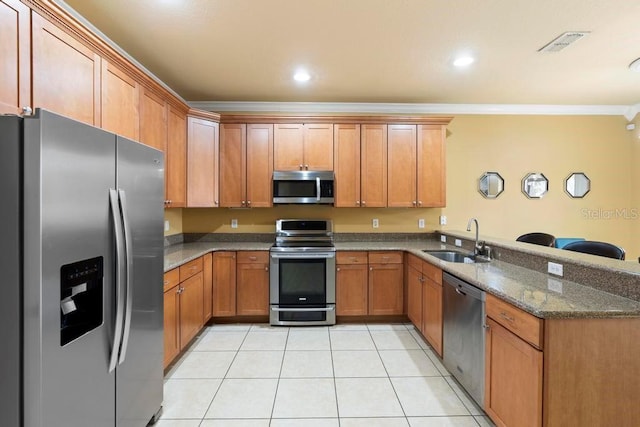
{"points": [[338, 269], [300, 166], [306, 167], [215, 202], [242, 203], [27, 111], [364, 203], [414, 203], [248, 202], [419, 202], [370, 268], [266, 269], [357, 202]]}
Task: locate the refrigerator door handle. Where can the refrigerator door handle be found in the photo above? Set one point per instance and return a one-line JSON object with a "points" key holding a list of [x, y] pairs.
{"points": [[120, 277], [128, 242]]}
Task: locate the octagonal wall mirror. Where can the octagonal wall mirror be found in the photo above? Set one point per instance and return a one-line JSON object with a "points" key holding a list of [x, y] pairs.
{"points": [[491, 185], [577, 185], [535, 185]]}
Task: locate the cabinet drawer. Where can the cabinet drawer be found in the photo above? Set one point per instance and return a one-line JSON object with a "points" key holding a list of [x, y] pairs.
{"points": [[250, 257], [189, 269], [414, 262], [171, 279], [521, 323], [351, 258], [385, 257], [432, 272]]}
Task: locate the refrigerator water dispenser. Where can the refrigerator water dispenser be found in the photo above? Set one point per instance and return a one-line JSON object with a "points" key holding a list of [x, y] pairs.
{"points": [[81, 298]]}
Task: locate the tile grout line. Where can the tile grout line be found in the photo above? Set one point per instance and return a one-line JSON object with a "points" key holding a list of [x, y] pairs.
{"points": [[333, 371], [275, 396]]}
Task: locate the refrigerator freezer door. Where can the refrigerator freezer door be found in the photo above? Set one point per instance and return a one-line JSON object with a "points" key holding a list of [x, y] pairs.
{"points": [[68, 273], [10, 265], [140, 180]]}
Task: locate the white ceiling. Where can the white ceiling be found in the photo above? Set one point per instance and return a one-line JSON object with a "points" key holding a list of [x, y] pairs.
{"points": [[380, 51]]}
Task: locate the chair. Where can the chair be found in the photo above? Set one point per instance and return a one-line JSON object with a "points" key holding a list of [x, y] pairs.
{"points": [[542, 239], [596, 248]]}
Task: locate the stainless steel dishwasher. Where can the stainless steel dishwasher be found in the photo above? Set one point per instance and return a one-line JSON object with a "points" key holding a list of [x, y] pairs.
{"points": [[464, 335]]}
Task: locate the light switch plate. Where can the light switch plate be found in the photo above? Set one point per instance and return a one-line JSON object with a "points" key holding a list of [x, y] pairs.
{"points": [[458, 243], [421, 223], [554, 268], [443, 239], [167, 226], [443, 220], [375, 223], [234, 223]]}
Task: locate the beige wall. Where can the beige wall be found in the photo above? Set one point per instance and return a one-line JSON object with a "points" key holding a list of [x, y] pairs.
{"points": [[174, 216], [600, 146], [514, 145]]}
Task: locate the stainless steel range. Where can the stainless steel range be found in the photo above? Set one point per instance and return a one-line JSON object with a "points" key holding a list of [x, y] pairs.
{"points": [[303, 273]]}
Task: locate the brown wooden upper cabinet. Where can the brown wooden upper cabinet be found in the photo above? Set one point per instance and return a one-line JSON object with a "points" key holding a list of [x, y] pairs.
{"points": [[176, 159], [202, 163], [65, 73], [153, 120], [120, 96], [306, 146], [360, 161], [416, 166], [246, 165], [15, 72]]}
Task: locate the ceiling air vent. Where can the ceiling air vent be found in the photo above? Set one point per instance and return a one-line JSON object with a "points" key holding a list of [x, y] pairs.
{"points": [[563, 40]]}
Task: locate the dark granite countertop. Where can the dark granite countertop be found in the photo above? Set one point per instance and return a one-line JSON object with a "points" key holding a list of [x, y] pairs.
{"points": [[537, 293]]}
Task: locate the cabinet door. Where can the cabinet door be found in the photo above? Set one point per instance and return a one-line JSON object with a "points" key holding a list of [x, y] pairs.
{"points": [[346, 165], [175, 160], [202, 163], [374, 166], [402, 166], [224, 284], [171, 319], [233, 151], [432, 314], [431, 166], [65, 73], [513, 379], [385, 289], [318, 147], [351, 289], [153, 120], [259, 165], [414, 296], [120, 100], [207, 277], [288, 147], [15, 51], [253, 289], [191, 308]]}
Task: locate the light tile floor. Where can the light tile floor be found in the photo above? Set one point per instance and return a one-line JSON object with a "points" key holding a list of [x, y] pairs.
{"points": [[347, 375]]}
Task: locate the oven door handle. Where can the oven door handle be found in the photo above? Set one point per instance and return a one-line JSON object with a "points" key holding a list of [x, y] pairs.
{"points": [[303, 255], [318, 188], [303, 309]]}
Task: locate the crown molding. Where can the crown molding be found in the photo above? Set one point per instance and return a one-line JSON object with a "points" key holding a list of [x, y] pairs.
{"points": [[401, 108]]}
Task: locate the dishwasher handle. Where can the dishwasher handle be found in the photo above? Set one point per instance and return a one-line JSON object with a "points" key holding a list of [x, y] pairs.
{"points": [[463, 288]]}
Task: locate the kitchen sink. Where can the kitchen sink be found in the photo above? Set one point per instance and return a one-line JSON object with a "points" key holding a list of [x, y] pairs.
{"points": [[456, 256]]}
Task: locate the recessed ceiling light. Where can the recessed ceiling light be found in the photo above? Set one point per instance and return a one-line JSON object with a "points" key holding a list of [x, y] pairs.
{"points": [[463, 61], [635, 66], [301, 76]]}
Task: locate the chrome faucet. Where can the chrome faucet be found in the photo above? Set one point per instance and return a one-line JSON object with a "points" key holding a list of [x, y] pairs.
{"points": [[479, 246]]}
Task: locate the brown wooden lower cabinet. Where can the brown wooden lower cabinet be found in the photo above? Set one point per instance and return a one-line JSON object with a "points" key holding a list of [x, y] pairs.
{"points": [[171, 324], [191, 308], [207, 275], [224, 284], [386, 286], [424, 300], [352, 283], [252, 283]]}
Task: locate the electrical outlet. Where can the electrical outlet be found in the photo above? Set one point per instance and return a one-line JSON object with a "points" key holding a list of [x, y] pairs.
{"points": [[421, 223], [554, 268], [443, 220], [167, 226], [234, 223], [458, 243], [443, 238], [375, 223]]}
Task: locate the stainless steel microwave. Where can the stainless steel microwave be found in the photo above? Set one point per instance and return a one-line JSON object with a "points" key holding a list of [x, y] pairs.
{"points": [[303, 187]]}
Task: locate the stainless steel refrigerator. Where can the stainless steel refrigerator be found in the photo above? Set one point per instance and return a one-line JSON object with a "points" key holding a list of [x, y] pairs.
{"points": [[81, 256]]}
